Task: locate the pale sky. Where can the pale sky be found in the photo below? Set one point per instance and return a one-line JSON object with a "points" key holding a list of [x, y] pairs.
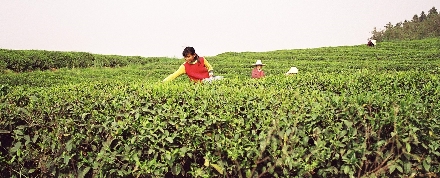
{"points": [[162, 28]]}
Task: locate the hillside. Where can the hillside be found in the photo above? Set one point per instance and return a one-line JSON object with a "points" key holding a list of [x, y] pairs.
{"points": [[387, 56], [351, 111]]}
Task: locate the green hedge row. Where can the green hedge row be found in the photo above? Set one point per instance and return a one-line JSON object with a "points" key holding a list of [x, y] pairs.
{"points": [[31, 60], [417, 50], [313, 124], [426, 49]]}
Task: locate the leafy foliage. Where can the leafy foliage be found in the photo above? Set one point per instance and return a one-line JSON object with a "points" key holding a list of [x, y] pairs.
{"points": [[425, 26], [350, 112], [31, 60]]}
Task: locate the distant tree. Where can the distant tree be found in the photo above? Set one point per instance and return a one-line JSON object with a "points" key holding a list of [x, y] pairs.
{"points": [[388, 25], [423, 26], [406, 28], [415, 18], [422, 17], [389, 33], [432, 12], [433, 19], [377, 35]]}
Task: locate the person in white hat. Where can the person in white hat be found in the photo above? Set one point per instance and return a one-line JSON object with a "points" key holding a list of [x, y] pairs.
{"points": [[258, 72], [292, 71]]}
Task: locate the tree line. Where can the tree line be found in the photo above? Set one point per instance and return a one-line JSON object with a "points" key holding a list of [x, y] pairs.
{"points": [[421, 26]]}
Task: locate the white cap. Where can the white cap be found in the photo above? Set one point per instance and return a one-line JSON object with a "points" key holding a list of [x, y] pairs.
{"points": [[293, 70], [258, 63]]}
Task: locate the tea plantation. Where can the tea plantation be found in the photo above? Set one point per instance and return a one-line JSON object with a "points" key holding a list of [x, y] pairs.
{"points": [[351, 111]]}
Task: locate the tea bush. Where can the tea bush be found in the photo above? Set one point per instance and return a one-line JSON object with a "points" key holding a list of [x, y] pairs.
{"points": [[339, 117]]}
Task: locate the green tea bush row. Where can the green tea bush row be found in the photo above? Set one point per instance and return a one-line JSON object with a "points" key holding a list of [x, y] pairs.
{"points": [[416, 50], [313, 124], [159, 69], [350, 112], [426, 49], [31, 60]]}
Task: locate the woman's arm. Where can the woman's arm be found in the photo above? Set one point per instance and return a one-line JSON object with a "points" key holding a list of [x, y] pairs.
{"points": [[174, 75], [208, 66]]}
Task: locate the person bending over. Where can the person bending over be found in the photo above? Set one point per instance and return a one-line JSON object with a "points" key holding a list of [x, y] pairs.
{"points": [[196, 68]]}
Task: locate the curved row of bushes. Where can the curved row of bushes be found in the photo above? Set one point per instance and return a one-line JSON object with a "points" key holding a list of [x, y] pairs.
{"points": [[417, 50], [31, 60]]}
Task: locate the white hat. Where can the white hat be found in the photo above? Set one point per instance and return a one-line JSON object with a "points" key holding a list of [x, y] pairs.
{"points": [[258, 63], [293, 70]]}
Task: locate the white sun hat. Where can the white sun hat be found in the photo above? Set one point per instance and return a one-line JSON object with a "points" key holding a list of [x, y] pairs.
{"points": [[293, 70], [258, 63]]}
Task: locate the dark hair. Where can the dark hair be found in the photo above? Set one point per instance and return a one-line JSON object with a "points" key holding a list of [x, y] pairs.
{"points": [[191, 51]]}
